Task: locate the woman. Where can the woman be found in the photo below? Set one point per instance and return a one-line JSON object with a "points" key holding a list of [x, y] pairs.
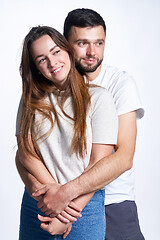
{"points": [[63, 127]]}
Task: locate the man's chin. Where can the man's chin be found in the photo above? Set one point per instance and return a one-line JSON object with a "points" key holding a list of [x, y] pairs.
{"points": [[87, 68], [90, 69], [84, 69]]}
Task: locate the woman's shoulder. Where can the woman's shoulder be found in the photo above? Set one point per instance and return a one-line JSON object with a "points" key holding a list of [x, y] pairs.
{"points": [[97, 92]]}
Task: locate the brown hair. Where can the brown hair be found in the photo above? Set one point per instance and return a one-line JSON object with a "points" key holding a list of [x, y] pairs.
{"points": [[36, 88]]}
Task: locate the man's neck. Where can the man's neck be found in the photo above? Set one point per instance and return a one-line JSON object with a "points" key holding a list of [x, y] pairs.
{"points": [[93, 75]]}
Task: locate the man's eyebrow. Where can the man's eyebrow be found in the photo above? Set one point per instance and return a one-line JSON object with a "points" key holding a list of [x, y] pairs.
{"points": [[49, 50], [88, 40], [81, 40]]}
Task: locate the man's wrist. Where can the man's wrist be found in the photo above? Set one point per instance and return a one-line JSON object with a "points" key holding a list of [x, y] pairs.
{"points": [[73, 189]]}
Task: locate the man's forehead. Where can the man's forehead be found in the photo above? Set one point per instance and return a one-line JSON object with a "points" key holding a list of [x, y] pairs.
{"points": [[87, 33]]}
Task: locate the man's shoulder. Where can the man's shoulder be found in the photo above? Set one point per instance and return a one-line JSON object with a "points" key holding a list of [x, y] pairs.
{"points": [[124, 90], [112, 74], [114, 79]]}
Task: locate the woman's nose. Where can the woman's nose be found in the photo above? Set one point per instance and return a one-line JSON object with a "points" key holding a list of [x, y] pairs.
{"points": [[51, 62]]}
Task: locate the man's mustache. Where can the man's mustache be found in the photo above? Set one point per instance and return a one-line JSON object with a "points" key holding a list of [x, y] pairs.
{"points": [[90, 57]]}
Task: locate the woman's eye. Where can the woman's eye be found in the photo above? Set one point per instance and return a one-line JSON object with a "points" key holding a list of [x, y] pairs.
{"points": [[41, 60], [56, 52]]}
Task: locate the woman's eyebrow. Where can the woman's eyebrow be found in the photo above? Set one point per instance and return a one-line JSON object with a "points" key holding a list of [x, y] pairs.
{"points": [[49, 50], [53, 48]]}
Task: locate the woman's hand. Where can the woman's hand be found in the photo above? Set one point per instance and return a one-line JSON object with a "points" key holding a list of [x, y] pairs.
{"points": [[54, 226], [36, 187], [69, 214], [67, 231]]}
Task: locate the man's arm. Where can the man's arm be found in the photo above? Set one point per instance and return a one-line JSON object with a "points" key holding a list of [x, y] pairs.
{"points": [[53, 225], [98, 152], [37, 170], [108, 168], [55, 203]]}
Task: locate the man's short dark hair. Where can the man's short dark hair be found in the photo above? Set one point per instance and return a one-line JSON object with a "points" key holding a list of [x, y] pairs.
{"points": [[82, 17]]}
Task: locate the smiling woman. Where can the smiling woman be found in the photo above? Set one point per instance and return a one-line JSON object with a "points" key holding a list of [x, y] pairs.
{"points": [[52, 62], [60, 123], [51, 68]]}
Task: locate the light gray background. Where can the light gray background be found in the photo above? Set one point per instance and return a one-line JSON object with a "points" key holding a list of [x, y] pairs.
{"points": [[133, 39]]}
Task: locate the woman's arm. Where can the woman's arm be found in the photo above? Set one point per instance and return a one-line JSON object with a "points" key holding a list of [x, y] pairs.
{"points": [[31, 183], [35, 175], [34, 165]]}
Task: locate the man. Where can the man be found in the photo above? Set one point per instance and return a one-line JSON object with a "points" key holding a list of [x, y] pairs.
{"points": [[86, 31]]}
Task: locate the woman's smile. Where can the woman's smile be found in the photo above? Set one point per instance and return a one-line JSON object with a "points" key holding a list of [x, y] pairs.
{"points": [[57, 70]]}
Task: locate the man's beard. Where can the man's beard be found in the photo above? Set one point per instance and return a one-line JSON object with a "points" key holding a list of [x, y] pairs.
{"points": [[86, 69]]}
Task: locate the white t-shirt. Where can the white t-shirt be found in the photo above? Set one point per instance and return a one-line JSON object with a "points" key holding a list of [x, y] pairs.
{"points": [[102, 127], [124, 91]]}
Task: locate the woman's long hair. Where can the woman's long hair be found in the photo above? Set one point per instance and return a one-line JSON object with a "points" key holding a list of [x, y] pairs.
{"points": [[36, 88]]}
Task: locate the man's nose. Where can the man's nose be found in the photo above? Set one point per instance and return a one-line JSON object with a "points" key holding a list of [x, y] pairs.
{"points": [[91, 50]]}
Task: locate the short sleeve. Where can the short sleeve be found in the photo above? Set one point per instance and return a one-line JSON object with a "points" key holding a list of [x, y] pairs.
{"points": [[126, 95], [18, 119], [104, 117], [123, 88]]}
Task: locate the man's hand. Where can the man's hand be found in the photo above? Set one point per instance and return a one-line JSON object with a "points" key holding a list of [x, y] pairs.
{"points": [[55, 200], [54, 226]]}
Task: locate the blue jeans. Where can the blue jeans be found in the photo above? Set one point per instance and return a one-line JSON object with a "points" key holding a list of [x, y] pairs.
{"points": [[90, 226]]}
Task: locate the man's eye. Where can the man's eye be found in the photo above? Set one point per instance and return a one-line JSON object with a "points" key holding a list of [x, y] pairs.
{"points": [[81, 43], [99, 43]]}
